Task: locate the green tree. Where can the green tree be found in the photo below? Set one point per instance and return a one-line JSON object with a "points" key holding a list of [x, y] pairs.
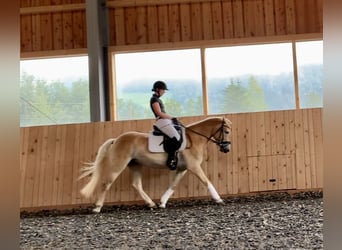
{"points": [[26, 97], [173, 107], [255, 99], [128, 109], [312, 100], [44, 103], [35, 106], [238, 97], [58, 96], [233, 97], [27, 86], [193, 106], [78, 99], [41, 99]]}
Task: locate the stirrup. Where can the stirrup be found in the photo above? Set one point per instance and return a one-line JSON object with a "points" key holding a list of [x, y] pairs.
{"points": [[172, 160]]}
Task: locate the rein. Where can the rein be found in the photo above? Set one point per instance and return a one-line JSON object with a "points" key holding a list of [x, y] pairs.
{"points": [[210, 138]]}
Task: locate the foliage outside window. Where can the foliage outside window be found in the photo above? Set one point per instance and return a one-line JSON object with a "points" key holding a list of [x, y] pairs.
{"points": [[54, 91], [310, 73], [136, 73], [250, 78]]}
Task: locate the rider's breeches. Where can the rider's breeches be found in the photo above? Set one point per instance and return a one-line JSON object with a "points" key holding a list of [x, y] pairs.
{"points": [[167, 127]]}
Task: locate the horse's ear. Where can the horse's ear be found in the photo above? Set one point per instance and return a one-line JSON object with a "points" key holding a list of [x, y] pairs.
{"points": [[227, 121]]}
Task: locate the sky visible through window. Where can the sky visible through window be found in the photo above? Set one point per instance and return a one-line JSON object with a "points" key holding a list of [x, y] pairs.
{"points": [[158, 65], [252, 59], [52, 69], [310, 52]]}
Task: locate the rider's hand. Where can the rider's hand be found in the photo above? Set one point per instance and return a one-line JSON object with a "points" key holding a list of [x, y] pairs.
{"points": [[175, 121]]}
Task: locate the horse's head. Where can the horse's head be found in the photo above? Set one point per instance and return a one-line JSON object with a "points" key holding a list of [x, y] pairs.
{"points": [[215, 129], [222, 134]]}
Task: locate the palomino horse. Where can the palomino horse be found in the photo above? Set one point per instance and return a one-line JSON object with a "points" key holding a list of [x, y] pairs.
{"points": [[131, 149]]}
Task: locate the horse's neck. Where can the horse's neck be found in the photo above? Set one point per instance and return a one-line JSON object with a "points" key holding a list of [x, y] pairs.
{"points": [[204, 128]]}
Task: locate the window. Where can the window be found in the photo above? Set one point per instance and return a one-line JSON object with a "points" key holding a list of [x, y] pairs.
{"points": [[250, 78], [136, 73], [54, 91], [246, 78], [310, 73]]}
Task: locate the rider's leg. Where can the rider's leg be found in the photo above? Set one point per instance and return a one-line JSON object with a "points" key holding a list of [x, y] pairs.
{"points": [[166, 126], [172, 146]]}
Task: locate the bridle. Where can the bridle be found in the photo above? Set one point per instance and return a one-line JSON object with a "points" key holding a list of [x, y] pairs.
{"points": [[223, 144]]}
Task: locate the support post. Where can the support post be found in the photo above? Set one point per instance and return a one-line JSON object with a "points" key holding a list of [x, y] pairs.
{"points": [[97, 43]]}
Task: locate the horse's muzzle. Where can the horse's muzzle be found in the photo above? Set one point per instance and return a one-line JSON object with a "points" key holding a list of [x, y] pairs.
{"points": [[224, 146]]}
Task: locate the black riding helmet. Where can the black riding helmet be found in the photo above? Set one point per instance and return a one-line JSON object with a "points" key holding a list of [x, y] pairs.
{"points": [[159, 85]]}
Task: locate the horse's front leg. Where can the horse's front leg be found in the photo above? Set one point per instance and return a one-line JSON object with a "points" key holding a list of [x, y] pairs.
{"points": [[179, 175], [197, 170]]}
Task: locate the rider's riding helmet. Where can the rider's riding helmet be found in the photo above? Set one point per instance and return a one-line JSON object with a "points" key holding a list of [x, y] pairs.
{"points": [[159, 85]]}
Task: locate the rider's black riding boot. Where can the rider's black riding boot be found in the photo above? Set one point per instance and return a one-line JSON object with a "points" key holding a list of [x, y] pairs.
{"points": [[172, 160]]}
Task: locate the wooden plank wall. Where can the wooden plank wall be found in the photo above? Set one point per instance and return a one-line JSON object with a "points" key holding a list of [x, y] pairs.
{"points": [[61, 24], [276, 150]]}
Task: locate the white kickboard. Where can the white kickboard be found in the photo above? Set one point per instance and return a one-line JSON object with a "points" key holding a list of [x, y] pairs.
{"points": [[155, 142]]}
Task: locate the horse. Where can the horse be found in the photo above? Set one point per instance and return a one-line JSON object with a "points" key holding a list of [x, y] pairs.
{"points": [[130, 149]]}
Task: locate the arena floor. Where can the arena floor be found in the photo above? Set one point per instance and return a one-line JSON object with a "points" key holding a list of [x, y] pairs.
{"points": [[269, 221]]}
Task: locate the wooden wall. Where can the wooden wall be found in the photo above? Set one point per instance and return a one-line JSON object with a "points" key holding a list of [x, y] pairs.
{"points": [[59, 25], [278, 150]]}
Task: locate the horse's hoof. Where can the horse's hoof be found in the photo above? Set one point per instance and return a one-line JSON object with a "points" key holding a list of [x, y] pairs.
{"points": [[220, 201], [152, 205], [162, 205], [97, 210]]}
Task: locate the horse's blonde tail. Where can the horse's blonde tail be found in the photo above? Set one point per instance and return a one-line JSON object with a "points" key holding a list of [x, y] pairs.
{"points": [[94, 169]]}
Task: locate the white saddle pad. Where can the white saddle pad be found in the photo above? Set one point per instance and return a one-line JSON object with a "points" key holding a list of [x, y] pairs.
{"points": [[155, 142]]}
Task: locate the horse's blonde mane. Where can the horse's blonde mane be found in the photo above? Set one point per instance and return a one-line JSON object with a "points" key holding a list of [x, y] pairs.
{"points": [[208, 118]]}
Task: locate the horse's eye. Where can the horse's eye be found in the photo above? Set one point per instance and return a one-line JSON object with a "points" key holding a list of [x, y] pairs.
{"points": [[226, 132]]}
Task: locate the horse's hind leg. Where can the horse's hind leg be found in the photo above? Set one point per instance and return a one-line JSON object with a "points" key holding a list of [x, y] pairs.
{"points": [[179, 175], [105, 186], [108, 177], [100, 200], [137, 184]]}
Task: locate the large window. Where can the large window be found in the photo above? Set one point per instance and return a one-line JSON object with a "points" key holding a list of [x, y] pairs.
{"points": [[136, 73], [250, 78], [310, 73], [247, 78], [54, 91]]}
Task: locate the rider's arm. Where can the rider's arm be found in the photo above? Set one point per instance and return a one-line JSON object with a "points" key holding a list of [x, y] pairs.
{"points": [[157, 110]]}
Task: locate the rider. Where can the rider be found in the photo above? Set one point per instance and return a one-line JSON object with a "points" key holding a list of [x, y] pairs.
{"points": [[165, 122]]}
